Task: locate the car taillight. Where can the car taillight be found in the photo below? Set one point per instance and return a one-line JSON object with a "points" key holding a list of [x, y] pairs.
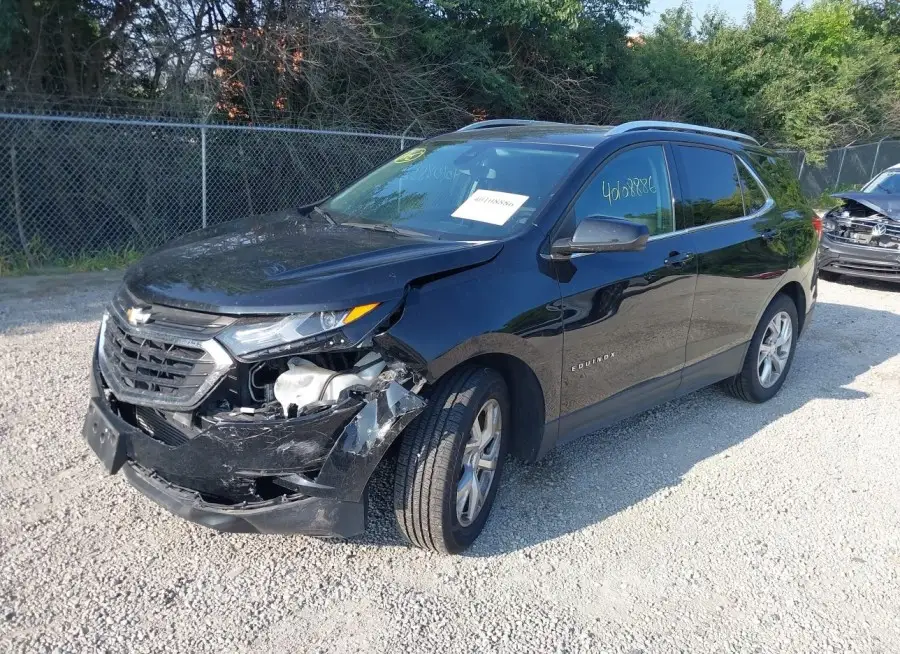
{"points": [[817, 224]]}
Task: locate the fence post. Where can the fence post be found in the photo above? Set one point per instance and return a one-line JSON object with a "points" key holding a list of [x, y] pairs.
{"points": [[203, 172], [802, 163], [837, 182], [17, 205], [875, 160], [405, 132]]}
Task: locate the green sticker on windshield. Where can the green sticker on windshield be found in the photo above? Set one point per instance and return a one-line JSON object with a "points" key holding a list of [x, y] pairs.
{"points": [[410, 156]]}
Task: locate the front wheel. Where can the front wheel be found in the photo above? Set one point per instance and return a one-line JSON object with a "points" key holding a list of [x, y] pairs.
{"points": [[450, 461], [770, 354]]}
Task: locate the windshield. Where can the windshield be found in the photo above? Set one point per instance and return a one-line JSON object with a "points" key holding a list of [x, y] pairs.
{"points": [[886, 182], [472, 190]]}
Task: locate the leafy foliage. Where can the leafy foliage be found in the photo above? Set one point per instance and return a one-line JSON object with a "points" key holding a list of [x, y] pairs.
{"points": [[816, 76]]}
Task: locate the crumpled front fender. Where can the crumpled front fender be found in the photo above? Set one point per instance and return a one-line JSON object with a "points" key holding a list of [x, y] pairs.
{"points": [[362, 444]]}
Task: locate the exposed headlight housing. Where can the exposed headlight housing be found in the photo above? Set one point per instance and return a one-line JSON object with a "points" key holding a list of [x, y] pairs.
{"points": [[245, 338], [829, 225]]}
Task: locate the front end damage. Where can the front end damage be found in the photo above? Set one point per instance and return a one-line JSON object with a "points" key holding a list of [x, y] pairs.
{"points": [[285, 444], [861, 238]]}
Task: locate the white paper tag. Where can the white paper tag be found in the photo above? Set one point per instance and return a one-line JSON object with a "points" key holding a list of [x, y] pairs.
{"points": [[494, 207]]}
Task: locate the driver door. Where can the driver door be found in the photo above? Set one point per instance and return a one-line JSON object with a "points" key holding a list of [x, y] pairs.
{"points": [[626, 315]]}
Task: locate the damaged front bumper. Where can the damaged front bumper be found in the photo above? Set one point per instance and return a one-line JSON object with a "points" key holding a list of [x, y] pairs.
{"points": [[315, 468], [870, 262]]}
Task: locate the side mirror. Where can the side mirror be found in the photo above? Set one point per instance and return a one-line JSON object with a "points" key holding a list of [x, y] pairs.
{"points": [[603, 234]]}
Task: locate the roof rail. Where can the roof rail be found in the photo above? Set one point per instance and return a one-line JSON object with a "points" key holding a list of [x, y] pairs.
{"points": [[503, 122], [679, 127]]}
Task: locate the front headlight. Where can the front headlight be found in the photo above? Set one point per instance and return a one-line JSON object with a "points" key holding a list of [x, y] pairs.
{"points": [[245, 338]]}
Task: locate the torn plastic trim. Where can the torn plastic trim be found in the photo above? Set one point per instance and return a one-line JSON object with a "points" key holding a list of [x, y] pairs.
{"points": [[290, 514], [362, 444], [330, 453]]}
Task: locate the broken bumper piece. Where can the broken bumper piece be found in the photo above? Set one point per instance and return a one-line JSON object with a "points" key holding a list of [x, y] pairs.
{"points": [[305, 475], [313, 516]]}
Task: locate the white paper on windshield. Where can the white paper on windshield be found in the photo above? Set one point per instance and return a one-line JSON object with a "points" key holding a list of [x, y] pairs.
{"points": [[494, 207]]}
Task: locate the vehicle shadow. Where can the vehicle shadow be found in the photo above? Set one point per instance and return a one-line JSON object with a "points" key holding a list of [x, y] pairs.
{"points": [[593, 478]]}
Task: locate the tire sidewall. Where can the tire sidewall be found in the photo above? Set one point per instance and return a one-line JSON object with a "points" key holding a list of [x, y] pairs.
{"points": [[457, 536], [760, 392]]}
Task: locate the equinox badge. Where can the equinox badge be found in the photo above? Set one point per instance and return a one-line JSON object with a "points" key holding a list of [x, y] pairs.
{"points": [[590, 362]]}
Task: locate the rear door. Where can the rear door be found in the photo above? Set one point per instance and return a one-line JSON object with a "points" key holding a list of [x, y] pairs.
{"points": [[626, 315], [742, 254]]}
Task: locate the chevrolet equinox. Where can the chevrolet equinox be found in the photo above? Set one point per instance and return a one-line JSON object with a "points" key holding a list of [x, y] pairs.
{"points": [[498, 290]]}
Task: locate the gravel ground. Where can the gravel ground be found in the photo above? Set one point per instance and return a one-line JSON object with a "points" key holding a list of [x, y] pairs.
{"points": [[704, 525]]}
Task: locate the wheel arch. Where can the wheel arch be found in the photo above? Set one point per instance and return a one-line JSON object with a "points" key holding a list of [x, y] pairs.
{"points": [[526, 399], [793, 286], [794, 290], [533, 380]]}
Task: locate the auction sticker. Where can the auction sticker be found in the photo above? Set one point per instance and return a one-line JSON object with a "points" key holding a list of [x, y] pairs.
{"points": [[494, 207], [410, 156]]}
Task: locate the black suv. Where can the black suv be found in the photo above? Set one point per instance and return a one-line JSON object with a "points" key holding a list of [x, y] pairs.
{"points": [[501, 289]]}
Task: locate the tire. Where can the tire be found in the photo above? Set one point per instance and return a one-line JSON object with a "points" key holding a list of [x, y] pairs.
{"points": [[749, 384], [433, 451]]}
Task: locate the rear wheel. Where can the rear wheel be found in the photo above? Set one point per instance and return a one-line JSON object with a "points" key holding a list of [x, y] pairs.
{"points": [[450, 461], [770, 354]]}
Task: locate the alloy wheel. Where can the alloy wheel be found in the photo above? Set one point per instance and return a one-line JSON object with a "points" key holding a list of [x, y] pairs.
{"points": [[775, 349], [479, 462]]}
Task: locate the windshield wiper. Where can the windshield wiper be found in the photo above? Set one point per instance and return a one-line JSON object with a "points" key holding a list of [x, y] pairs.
{"points": [[324, 214], [384, 227]]}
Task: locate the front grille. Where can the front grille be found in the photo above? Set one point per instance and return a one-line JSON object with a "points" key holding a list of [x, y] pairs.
{"points": [[154, 424], [155, 368], [858, 231]]}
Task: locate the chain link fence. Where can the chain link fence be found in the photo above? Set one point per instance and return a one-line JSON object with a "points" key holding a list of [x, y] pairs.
{"points": [[72, 185], [846, 167]]}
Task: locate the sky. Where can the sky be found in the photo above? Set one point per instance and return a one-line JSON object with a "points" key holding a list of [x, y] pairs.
{"points": [[734, 9]]}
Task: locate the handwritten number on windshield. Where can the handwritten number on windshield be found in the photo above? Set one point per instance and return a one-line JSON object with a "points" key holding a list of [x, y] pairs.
{"points": [[631, 187]]}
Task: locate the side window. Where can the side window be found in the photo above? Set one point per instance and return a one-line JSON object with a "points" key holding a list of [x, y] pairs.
{"points": [[635, 186], [780, 180], [710, 183], [754, 196]]}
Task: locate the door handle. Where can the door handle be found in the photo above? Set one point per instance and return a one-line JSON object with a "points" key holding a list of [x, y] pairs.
{"points": [[678, 259], [769, 234]]}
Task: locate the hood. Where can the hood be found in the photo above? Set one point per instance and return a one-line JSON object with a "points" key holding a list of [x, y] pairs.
{"points": [[886, 204], [283, 263]]}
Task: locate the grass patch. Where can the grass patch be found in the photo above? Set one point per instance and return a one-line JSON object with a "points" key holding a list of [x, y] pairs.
{"points": [[14, 264]]}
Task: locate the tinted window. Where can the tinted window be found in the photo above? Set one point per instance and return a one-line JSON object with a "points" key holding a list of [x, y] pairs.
{"points": [[780, 180], [710, 184], [754, 196], [460, 190], [635, 186]]}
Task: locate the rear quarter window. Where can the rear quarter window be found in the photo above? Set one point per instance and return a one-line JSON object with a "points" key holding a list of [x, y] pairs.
{"points": [[754, 196], [710, 184], [779, 179]]}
